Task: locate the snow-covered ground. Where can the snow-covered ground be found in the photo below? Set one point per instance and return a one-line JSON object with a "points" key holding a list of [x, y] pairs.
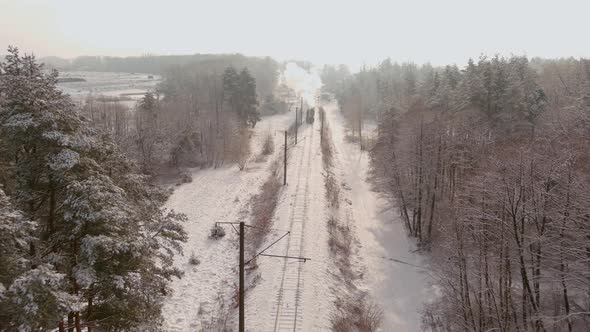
{"points": [[400, 289], [215, 195], [290, 294], [128, 85], [293, 295]]}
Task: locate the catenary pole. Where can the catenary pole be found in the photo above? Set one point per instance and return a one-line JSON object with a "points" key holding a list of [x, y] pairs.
{"points": [[285, 161], [296, 123], [242, 303], [241, 290]]}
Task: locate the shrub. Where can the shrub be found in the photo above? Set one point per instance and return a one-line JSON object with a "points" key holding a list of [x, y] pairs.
{"points": [[193, 260], [217, 232], [356, 314], [268, 146], [186, 177]]}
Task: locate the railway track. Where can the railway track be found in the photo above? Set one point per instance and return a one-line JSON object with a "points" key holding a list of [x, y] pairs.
{"points": [[287, 309]]}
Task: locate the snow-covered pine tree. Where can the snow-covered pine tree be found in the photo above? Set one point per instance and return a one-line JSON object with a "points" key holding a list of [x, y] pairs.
{"points": [[148, 136], [31, 295], [102, 226], [230, 87], [248, 113], [472, 87], [239, 91]]}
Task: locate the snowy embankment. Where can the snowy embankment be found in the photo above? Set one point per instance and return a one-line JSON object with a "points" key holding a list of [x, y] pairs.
{"points": [[392, 270], [215, 195]]}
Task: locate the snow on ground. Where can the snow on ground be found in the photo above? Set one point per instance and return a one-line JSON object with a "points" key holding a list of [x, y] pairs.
{"points": [[107, 83], [112, 84], [290, 294], [400, 289], [294, 295], [215, 195]]}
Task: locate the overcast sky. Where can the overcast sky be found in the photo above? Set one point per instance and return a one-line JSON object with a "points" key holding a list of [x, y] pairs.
{"points": [[322, 31]]}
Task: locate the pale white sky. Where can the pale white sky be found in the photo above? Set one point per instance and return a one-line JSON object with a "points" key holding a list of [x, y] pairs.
{"points": [[322, 31]]}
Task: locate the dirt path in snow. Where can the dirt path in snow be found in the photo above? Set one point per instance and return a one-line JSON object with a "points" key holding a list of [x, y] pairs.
{"points": [[399, 289]]}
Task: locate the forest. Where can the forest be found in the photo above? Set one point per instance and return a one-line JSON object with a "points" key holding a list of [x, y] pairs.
{"points": [[84, 235], [147, 64], [198, 116], [85, 239], [488, 167]]}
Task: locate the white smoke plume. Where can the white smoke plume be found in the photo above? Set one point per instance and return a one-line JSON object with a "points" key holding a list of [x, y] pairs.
{"points": [[305, 84]]}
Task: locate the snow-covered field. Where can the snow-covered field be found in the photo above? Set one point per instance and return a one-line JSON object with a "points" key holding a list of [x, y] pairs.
{"points": [[128, 85], [215, 195]]}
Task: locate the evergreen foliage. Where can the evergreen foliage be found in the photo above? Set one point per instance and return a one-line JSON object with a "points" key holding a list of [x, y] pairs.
{"points": [[87, 237]]}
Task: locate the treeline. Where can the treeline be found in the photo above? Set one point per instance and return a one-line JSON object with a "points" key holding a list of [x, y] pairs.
{"points": [[148, 64], [200, 115], [333, 77], [488, 166], [84, 241]]}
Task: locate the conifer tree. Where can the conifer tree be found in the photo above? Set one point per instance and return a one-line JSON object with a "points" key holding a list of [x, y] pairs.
{"points": [[248, 111], [240, 93], [31, 290], [105, 245]]}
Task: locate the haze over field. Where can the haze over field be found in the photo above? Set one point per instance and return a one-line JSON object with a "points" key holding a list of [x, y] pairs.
{"points": [[327, 31]]}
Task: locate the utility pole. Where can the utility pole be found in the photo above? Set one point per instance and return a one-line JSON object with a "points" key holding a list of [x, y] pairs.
{"points": [[322, 115], [296, 123], [241, 295], [361, 129], [285, 161], [241, 303]]}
